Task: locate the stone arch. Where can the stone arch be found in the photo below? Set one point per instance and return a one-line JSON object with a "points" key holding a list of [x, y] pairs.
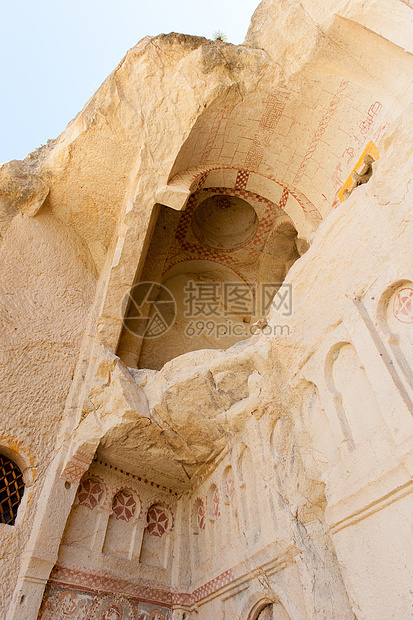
{"points": [[92, 492], [198, 149], [22, 458], [272, 611], [254, 610], [155, 539], [257, 602], [122, 523], [304, 215]]}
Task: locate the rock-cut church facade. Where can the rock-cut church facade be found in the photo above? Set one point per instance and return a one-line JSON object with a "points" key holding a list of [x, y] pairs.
{"points": [[207, 332]]}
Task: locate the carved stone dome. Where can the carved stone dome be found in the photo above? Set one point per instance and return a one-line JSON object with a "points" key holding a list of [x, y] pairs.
{"points": [[224, 222]]}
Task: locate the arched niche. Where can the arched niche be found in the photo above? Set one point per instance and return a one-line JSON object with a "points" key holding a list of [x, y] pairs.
{"points": [[248, 490], [205, 316], [214, 502], [221, 139], [319, 449], [84, 518], [228, 506], [356, 405], [282, 451], [262, 607], [228, 485], [155, 540], [198, 524], [278, 444], [214, 512], [207, 265], [122, 524], [395, 315]]}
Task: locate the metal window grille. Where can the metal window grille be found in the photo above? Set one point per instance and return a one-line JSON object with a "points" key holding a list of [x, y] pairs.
{"points": [[11, 490]]}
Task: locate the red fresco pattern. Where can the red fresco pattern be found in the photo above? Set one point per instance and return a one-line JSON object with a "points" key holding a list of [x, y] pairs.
{"points": [[216, 503], [66, 584], [201, 517], [90, 493], [158, 521], [183, 249], [403, 305], [124, 506]]}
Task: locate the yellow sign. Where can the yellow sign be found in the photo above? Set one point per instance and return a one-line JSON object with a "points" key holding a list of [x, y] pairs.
{"points": [[371, 149]]}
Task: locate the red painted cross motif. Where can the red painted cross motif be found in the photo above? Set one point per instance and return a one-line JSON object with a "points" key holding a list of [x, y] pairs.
{"points": [[201, 517], [90, 493], [158, 521], [124, 506], [215, 502], [403, 305]]}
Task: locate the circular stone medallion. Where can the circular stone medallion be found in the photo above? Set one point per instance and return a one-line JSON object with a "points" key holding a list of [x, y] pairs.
{"points": [[403, 305]]}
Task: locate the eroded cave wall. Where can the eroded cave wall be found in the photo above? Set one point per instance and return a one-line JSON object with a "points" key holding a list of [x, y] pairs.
{"points": [[47, 285], [306, 456]]}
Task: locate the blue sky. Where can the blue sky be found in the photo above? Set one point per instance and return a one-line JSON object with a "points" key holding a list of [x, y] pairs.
{"points": [[55, 54]]}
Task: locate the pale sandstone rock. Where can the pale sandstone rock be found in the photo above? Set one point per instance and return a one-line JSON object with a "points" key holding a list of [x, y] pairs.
{"points": [[20, 191], [268, 479]]}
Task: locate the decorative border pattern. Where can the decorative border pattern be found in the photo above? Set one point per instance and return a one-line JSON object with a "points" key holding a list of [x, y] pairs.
{"points": [[191, 178], [140, 591], [242, 179], [91, 492], [78, 464], [182, 250], [321, 130], [273, 111], [104, 583], [139, 478]]}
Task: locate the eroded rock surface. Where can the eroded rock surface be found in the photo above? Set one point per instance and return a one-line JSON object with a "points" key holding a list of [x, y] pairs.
{"points": [[20, 191], [248, 475]]}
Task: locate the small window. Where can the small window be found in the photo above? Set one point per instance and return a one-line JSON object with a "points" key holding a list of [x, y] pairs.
{"points": [[11, 490]]}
